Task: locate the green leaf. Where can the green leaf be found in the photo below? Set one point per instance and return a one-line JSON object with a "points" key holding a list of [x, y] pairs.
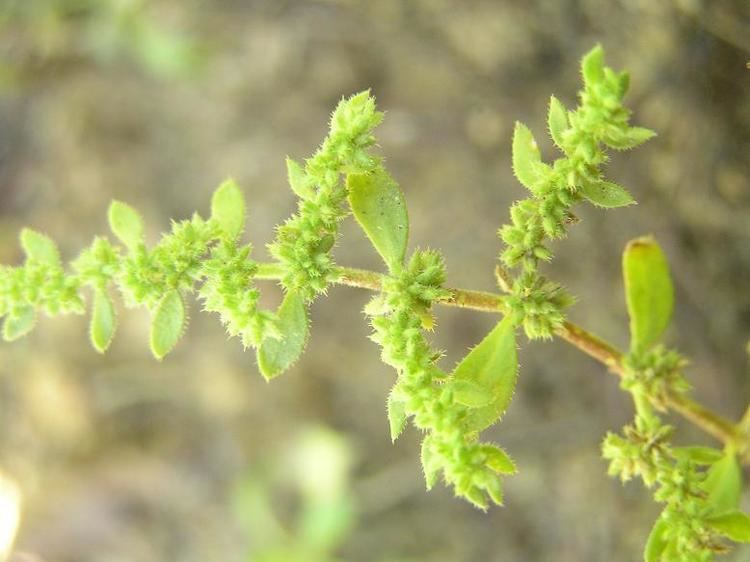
{"points": [[498, 460], [592, 66], [18, 323], [698, 455], [39, 248], [656, 542], [527, 160], [380, 209], [734, 525], [630, 138], [396, 416], [167, 323], [276, 355], [606, 194], [430, 463], [103, 321], [299, 180], [491, 370], [126, 224], [648, 290], [557, 120], [228, 209], [723, 483]]}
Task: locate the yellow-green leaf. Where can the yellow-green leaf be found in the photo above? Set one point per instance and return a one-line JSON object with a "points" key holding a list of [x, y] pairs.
{"points": [[527, 160], [18, 323], [734, 525], [228, 209], [299, 180], [276, 355], [380, 209], [167, 324], [557, 120], [103, 321], [396, 416], [656, 542], [489, 371], [606, 194], [648, 291], [723, 483], [126, 224], [592, 66], [39, 248]]}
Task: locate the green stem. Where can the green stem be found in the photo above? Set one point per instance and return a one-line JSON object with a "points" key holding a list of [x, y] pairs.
{"points": [[710, 422]]}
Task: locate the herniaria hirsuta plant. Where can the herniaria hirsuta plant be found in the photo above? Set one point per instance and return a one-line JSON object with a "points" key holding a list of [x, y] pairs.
{"points": [[699, 487]]}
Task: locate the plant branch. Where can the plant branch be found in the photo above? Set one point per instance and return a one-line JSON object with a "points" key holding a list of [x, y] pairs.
{"points": [[593, 346]]}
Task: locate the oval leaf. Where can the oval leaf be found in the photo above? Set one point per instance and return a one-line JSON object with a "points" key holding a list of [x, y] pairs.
{"points": [[396, 416], [228, 209], [557, 120], [493, 367], [527, 161], [648, 291], [734, 525], [724, 483], [276, 355], [629, 138], [606, 194], [656, 542], [167, 324], [498, 460], [431, 463], [19, 323], [592, 66], [103, 321], [126, 224], [39, 248], [298, 180], [380, 209]]}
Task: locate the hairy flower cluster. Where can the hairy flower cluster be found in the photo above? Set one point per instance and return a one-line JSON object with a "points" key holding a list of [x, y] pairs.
{"points": [[399, 315], [582, 134], [304, 241], [228, 290], [656, 372]]}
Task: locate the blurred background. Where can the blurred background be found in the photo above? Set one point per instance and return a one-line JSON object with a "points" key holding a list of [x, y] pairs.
{"points": [[119, 458]]}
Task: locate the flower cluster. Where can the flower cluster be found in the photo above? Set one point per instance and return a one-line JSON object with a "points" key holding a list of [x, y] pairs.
{"points": [[582, 135]]}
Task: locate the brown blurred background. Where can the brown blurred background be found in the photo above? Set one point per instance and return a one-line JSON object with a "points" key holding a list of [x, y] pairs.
{"points": [[120, 458]]}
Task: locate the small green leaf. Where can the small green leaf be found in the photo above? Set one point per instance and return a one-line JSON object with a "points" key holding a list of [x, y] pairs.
{"points": [[167, 323], [592, 66], [380, 209], [656, 542], [630, 138], [103, 321], [648, 290], [276, 355], [527, 160], [299, 180], [734, 525], [493, 367], [557, 120], [228, 209], [430, 463], [396, 416], [126, 224], [723, 483], [39, 248], [19, 323], [606, 194], [498, 460], [698, 455]]}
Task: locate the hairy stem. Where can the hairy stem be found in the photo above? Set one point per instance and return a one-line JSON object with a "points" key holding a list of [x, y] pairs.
{"points": [[593, 346]]}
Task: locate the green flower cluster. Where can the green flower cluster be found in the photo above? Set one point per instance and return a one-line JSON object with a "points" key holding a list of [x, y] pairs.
{"points": [[657, 372], [423, 391], [304, 241], [582, 134]]}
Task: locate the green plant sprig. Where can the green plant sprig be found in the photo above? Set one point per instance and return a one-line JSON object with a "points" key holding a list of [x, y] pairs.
{"points": [[207, 257]]}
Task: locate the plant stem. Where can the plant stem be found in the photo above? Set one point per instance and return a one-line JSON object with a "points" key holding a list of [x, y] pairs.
{"points": [[715, 425]]}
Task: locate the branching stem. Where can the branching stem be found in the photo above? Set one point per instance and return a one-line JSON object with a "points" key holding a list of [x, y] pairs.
{"points": [[715, 425]]}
